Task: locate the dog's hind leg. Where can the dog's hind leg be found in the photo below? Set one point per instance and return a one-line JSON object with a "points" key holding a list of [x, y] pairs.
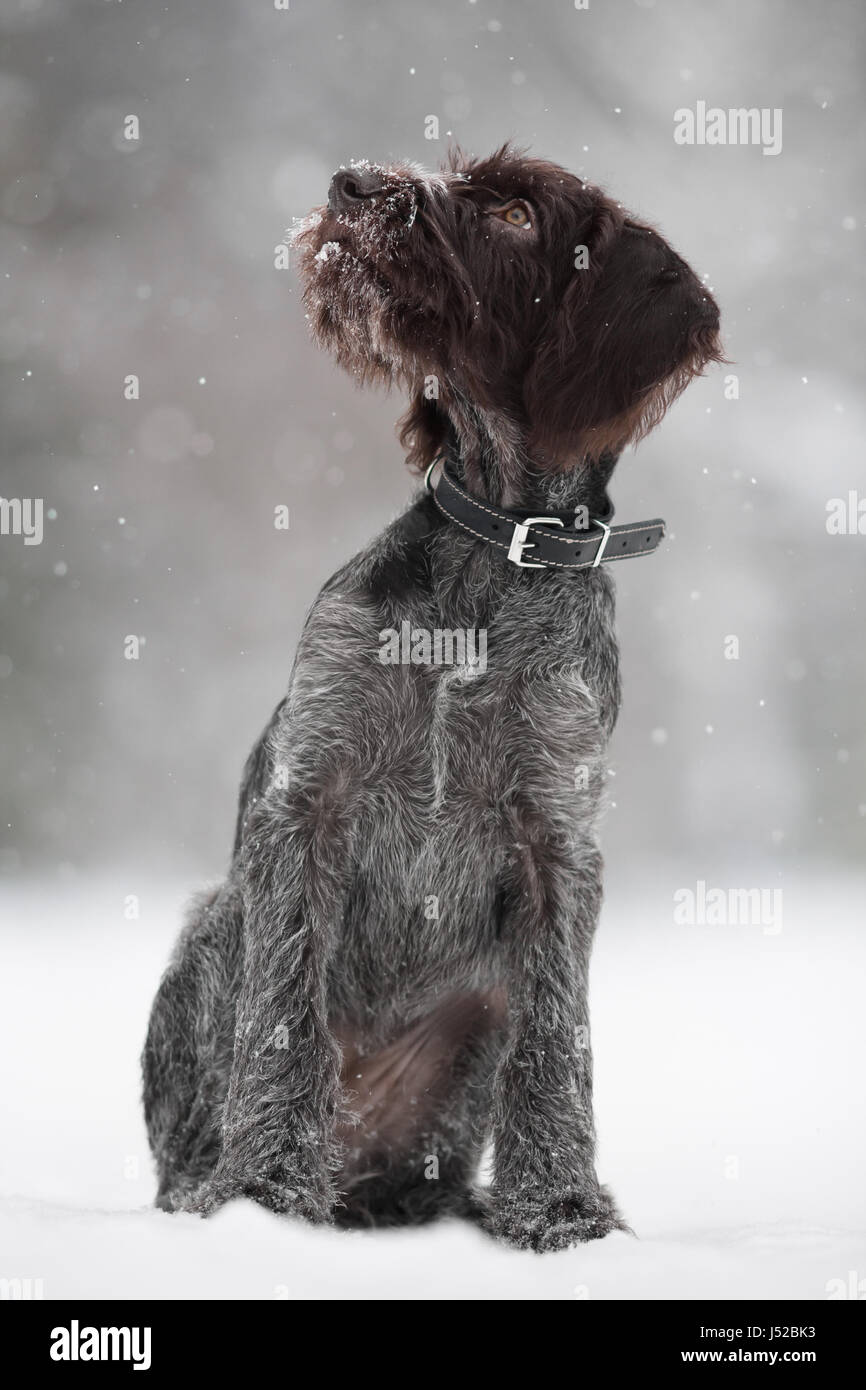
{"points": [[421, 1113], [187, 1055]]}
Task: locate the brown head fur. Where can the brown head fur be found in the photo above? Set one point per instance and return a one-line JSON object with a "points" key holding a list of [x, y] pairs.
{"points": [[518, 305]]}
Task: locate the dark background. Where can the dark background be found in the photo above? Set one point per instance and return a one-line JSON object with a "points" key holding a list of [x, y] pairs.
{"points": [[157, 258]]}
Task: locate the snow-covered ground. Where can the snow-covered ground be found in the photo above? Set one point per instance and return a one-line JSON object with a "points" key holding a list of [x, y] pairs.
{"points": [[729, 1105]]}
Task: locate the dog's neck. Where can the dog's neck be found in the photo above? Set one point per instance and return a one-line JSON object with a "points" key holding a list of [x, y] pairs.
{"points": [[493, 460]]}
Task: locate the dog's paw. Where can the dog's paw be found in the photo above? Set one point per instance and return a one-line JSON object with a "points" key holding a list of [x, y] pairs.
{"points": [[284, 1197], [205, 1199], [542, 1221], [173, 1198]]}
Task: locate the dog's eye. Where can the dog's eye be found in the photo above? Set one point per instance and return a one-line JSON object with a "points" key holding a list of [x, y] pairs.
{"points": [[516, 215]]}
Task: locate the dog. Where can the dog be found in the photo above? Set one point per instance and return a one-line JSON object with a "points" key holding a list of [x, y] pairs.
{"points": [[393, 976]]}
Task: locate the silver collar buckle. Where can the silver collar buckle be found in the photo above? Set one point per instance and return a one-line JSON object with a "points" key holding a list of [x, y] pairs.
{"points": [[604, 540], [519, 543]]}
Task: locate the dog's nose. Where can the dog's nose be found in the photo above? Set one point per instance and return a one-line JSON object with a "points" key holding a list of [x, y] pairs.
{"points": [[349, 187]]}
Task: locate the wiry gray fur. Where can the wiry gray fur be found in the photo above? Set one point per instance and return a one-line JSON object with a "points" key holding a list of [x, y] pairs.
{"points": [[324, 1043]]}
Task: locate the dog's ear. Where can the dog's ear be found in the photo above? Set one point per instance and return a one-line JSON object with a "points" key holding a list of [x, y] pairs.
{"points": [[573, 372], [421, 431]]}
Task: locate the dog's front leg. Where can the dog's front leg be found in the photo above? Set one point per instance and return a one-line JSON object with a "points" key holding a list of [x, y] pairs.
{"points": [[546, 1195], [278, 1125]]}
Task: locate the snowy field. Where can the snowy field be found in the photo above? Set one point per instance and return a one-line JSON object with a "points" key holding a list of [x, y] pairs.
{"points": [[729, 1104]]}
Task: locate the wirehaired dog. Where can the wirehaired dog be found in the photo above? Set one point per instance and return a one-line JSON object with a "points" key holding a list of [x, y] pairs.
{"points": [[394, 973]]}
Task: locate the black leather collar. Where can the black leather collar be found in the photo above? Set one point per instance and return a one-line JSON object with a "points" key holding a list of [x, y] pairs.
{"points": [[552, 540]]}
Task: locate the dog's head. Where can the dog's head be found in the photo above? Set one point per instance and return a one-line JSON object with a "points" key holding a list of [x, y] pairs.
{"points": [[511, 284]]}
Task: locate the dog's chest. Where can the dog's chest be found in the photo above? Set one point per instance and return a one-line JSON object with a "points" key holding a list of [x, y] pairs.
{"points": [[508, 716], [482, 754], [475, 741]]}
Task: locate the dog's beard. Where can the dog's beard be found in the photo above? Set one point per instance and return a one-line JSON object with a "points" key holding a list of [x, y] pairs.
{"points": [[346, 265], [387, 294]]}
